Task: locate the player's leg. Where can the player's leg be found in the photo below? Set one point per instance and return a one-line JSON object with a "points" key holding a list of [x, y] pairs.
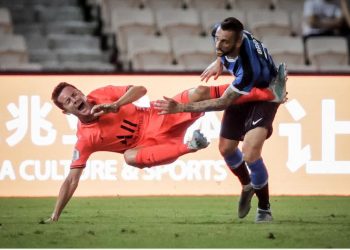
{"points": [[201, 93], [275, 93], [234, 160], [259, 127], [150, 156], [252, 146], [164, 153], [232, 131]]}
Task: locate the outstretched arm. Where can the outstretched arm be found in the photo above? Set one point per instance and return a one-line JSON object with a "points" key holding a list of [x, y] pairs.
{"points": [[170, 106], [66, 192], [133, 94]]}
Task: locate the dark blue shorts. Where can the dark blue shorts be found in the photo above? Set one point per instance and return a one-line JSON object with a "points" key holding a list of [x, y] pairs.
{"points": [[239, 119]]}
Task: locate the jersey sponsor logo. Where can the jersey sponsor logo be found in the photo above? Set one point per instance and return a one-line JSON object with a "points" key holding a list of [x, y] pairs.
{"points": [[256, 121], [258, 47], [128, 126]]}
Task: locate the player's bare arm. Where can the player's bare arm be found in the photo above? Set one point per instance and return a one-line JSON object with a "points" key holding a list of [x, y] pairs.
{"points": [[133, 94], [66, 192], [214, 69], [170, 106]]}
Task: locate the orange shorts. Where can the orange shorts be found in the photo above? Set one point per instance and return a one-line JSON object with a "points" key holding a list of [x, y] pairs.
{"points": [[169, 128]]}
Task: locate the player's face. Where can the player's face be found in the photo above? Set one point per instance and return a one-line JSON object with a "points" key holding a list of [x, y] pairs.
{"points": [[225, 42], [74, 102]]}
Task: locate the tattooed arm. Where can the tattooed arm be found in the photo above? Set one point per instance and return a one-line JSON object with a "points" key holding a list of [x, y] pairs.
{"points": [[170, 106]]}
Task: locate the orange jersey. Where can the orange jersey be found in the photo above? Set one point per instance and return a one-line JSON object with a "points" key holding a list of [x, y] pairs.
{"points": [[130, 127], [115, 132]]}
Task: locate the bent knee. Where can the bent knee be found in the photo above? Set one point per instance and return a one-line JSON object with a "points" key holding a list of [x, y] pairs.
{"points": [[225, 150], [227, 147], [201, 89], [251, 153], [202, 92]]}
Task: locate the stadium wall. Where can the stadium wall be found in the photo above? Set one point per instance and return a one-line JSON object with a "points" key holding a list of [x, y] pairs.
{"points": [[308, 154]]}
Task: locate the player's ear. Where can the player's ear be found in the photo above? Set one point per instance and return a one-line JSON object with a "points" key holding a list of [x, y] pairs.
{"points": [[239, 41]]}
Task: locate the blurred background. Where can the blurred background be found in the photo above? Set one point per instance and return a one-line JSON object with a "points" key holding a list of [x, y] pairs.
{"points": [[165, 35]]}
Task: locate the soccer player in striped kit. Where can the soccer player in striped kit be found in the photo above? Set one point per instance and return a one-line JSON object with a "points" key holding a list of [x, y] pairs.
{"points": [[249, 61]]}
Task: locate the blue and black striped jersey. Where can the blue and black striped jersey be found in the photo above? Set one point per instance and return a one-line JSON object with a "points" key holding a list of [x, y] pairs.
{"points": [[253, 67]]}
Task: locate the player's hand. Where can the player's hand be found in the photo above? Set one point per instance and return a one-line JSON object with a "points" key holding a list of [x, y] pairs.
{"points": [[167, 106], [215, 69], [48, 221], [101, 109]]}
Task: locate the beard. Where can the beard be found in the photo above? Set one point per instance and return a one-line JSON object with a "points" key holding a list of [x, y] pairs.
{"points": [[221, 53]]}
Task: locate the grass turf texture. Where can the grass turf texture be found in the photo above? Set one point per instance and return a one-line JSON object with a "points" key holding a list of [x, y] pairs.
{"points": [[181, 222]]}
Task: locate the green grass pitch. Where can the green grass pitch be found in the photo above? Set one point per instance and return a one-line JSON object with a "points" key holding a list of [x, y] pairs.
{"points": [[175, 222]]}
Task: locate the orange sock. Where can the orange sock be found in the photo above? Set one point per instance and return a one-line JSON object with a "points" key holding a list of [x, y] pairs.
{"points": [[255, 94], [217, 91], [160, 154]]}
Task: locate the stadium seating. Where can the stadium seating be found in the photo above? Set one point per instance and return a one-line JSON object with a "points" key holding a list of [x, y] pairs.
{"points": [[23, 14], [156, 5], [334, 68], [57, 14], [178, 22], [149, 52], [285, 49], [57, 35], [43, 56], [81, 55], [63, 41], [156, 67], [127, 23], [327, 51], [31, 67], [76, 27], [296, 19], [193, 52], [29, 29], [209, 5], [265, 22], [301, 68], [212, 16], [290, 5], [5, 21], [13, 49], [108, 7], [251, 4], [84, 66]]}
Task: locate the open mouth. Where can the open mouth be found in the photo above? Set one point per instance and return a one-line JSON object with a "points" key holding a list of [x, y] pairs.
{"points": [[81, 106]]}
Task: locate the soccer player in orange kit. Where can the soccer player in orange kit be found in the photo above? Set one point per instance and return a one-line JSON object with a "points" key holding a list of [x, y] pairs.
{"points": [[108, 121]]}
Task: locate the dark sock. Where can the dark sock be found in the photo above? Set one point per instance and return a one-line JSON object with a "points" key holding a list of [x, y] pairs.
{"points": [[242, 173], [263, 197]]}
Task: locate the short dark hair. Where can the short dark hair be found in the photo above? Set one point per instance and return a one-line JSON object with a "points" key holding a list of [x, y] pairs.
{"points": [[232, 24], [57, 91]]}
